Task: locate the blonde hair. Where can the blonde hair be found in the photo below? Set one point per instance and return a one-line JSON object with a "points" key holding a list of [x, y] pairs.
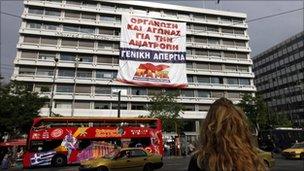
{"points": [[226, 141]]}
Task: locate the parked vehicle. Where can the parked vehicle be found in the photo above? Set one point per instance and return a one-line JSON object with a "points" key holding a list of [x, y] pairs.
{"points": [[135, 159], [295, 152]]}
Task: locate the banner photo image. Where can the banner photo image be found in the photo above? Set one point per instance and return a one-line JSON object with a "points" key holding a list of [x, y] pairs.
{"points": [[152, 52]]}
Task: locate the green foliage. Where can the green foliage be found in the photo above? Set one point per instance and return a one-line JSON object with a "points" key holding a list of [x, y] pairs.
{"points": [[259, 115], [18, 107], [166, 108]]}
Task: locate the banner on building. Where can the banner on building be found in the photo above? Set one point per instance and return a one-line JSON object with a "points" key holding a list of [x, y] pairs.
{"points": [[152, 52]]}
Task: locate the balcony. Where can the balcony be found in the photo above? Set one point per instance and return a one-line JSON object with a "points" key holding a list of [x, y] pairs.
{"points": [[216, 59], [119, 11], [218, 47]]}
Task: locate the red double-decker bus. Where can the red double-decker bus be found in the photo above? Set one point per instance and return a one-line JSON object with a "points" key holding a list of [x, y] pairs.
{"points": [[58, 141]]}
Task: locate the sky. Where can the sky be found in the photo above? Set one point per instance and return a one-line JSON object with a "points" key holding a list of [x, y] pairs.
{"points": [[263, 33]]}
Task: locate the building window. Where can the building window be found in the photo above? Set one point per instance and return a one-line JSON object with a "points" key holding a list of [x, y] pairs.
{"points": [[203, 79], [214, 53], [47, 55], [84, 74], [31, 39], [123, 106], [52, 12], [232, 81], [105, 59], [188, 107], [66, 73], [86, 44], [33, 25], [187, 93], [227, 30], [49, 41], [45, 72], [212, 29], [202, 93], [201, 52], [203, 108], [216, 80], [63, 104], [49, 26], [26, 71], [72, 14], [229, 55], [82, 105], [67, 57], [35, 10], [64, 88], [138, 106], [103, 90], [139, 91], [83, 89], [70, 28], [233, 95], [203, 66], [86, 58], [29, 54], [69, 43], [152, 91], [106, 74], [87, 30], [244, 81], [231, 68], [88, 16], [216, 67], [102, 105], [217, 94], [190, 78]]}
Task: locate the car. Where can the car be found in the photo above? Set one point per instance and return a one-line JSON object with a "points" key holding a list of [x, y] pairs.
{"points": [[294, 152], [124, 159], [267, 157]]}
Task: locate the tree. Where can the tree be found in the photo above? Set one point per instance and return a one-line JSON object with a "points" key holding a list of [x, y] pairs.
{"points": [[18, 107], [166, 108], [259, 115]]}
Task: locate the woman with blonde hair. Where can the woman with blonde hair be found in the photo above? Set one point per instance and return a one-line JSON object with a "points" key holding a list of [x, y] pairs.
{"points": [[226, 141]]}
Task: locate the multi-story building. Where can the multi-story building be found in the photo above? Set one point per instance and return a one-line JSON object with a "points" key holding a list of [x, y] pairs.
{"points": [[279, 77], [218, 61]]}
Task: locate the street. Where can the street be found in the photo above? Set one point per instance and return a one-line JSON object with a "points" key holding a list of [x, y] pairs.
{"points": [[181, 164]]}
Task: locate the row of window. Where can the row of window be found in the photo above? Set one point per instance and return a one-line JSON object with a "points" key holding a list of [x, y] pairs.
{"points": [[279, 64], [76, 43], [107, 90], [217, 67], [45, 55], [138, 10], [69, 57], [278, 52], [113, 31]]}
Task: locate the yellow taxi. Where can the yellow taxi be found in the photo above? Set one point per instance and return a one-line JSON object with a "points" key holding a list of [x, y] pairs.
{"points": [[294, 152], [126, 159], [267, 157]]}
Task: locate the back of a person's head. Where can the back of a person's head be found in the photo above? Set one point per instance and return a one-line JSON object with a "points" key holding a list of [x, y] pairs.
{"points": [[226, 141]]}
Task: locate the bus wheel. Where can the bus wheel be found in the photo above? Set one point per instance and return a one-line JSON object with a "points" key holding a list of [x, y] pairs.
{"points": [[148, 167], [102, 168], [302, 156], [59, 160]]}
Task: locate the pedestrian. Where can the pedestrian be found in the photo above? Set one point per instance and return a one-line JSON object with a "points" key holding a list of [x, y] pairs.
{"points": [[226, 141], [5, 163]]}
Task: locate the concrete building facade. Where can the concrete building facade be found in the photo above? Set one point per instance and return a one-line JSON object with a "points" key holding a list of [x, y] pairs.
{"points": [[84, 36], [279, 77]]}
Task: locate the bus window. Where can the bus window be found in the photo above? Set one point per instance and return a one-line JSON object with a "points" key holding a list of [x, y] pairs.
{"points": [[44, 146], [140, 142], [83, 144]]}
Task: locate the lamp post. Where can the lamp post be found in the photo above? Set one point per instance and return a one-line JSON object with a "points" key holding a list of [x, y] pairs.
{"points": [[118, 101], [77, 60], [53, 87]]}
